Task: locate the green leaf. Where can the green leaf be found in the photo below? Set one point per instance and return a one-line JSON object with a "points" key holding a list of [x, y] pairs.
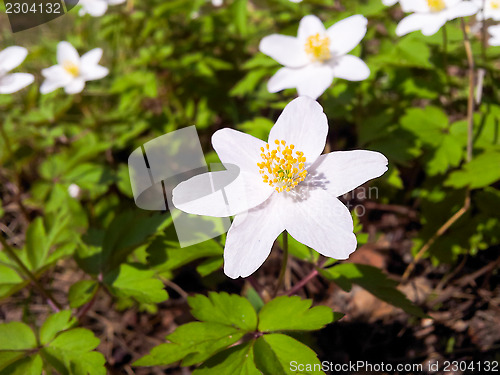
{"points": [[277, 354], [37, 246], [195, 342], [428, 124], [17, 336], [293, 313], [31, 365], [482, 171], [82, 292], [224, 308], [374, 281], [210, 265], [71, 353], [140, 284], [54, 324], [9, 278], [238, 360]]}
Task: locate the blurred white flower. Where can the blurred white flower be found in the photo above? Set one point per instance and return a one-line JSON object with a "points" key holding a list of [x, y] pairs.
{"points": [[72, 71], [284, 184], [491, 9], [74, 190], [430, 15], [316, 55], [96, 8], [295, 1], [495, 35], [10, 58], [389, 3], [217, 3]]}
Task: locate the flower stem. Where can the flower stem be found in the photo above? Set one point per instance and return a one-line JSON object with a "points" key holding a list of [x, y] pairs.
{"points": [[11, 253], [283, 264]]}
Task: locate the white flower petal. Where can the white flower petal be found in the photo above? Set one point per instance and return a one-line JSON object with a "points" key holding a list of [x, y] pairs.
{"points": [[75, 86], [311, 80], [12, 57], [92, 57], [419, 6], [286, 50], [240, 149], [495, 35], [342, 171], [116, 2], [434, 23], [93, 72], [412, 23], [250, 239], [229, 196], [14, 82], [345, 35], [303, 124], [314, 80], [319, 220], [309, 25], [67, 53], [351, 68], [462, 9], [96, 8], [285, 78], [389, 3]]}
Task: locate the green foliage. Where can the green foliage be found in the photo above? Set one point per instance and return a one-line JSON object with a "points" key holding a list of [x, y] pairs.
{"points": [[225, 319], [58, 347]]}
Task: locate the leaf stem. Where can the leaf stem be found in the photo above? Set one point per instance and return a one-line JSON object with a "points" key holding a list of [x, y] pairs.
{"points": [[11, 253], [283, 264]]}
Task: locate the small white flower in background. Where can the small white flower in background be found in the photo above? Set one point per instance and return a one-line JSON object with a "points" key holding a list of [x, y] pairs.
{"points": [[284, 184], [96, 8], [316, 55], [491, 9], [10, 58], [389, 3], [74, 190], [430, 15], [495, 35], [217, 3], [72, 71], [295, 1]]}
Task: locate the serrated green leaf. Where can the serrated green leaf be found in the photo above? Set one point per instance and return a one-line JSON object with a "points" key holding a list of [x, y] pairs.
{"points": [[71, 353], [376, 282], [140, 284], [224, 308], [31, 365], [428, 124], [280, 354], [210, 265], [54, 324], [17, 336], [37, 246], [82, 292], [238, 360], [482, 171], [293, 313], [194, 342]]}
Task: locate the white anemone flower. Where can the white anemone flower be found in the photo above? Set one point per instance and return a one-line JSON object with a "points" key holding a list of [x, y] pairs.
{"points": [[72, 71], [96, 8], [491, 9], [316, 55], [284, 184], [10, 58], [430, 15], [495, 35], [389, 3]]}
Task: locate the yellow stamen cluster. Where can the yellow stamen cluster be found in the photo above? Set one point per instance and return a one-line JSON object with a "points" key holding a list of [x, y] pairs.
{"points": [[495, 4], [71, 68], [280, 168], [436, 5], [318, 47]]}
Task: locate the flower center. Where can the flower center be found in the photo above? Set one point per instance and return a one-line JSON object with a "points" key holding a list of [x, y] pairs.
{"points": [[318, 48], [436, 5], [279, 168], [495, 4], [71, 68]]}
